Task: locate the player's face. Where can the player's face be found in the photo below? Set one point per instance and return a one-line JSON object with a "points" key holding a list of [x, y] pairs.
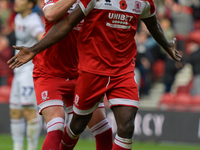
{"points": [[21, 6]]}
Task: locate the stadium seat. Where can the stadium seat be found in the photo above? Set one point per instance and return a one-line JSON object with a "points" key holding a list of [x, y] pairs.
{"points": [[167, 101], [195, 103], [185, 88], [4, 93], [182, 102], [182, 89]]}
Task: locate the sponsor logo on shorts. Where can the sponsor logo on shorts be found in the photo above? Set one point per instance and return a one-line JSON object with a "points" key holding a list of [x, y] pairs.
{"points": [[44, 95], [76, 100]]}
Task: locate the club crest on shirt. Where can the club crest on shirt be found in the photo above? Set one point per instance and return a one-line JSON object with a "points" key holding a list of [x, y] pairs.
{"points": [[137, 7], [44, 95], [76, 100]]}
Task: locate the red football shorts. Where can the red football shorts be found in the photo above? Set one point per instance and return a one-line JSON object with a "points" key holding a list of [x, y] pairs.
{"points": [[120, 90], [52, 91]]}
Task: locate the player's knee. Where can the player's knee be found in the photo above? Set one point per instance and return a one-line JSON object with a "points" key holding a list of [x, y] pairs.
{"points": [[126, 130], [30, 114], [79, 123], [16, 113], [77, 128]]}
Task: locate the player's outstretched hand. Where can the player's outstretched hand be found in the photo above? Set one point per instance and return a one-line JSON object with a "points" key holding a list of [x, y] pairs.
{"points": [[173, 52], [20, 58]]}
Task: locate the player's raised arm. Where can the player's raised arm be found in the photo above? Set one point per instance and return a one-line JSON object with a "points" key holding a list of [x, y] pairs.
{"points": [[59, 30], [57, 10], [156, 31], [55, 34]]}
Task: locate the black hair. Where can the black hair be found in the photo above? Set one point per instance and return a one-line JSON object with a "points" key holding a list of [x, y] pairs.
{"points": [[34, 2]]}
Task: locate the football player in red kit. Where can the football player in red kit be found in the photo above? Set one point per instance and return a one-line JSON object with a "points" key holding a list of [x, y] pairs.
{"points": [[107, 53]]}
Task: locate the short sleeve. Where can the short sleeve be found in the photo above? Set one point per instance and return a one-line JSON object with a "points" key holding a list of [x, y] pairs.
{"points": [[148, 10], [37, 27], [87, 6], [48, 3]]}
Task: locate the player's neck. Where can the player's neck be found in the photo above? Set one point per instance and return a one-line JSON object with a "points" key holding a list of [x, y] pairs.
{"points": [[26, 13]]}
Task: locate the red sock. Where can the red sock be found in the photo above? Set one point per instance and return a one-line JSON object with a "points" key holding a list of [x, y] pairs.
{"points": [[122, 143], [52, 140], [104, 141], [54, 136], [103, 135], [69, 140]]}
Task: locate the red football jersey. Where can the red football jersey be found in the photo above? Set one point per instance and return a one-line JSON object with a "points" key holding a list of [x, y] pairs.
{"points": [[106, 42], [61, 59]]}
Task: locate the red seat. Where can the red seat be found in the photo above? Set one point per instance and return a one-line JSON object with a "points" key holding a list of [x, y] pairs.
{"points": [[4, 93], [185, 88], [182, 102], [167, 101], [195, 103]]}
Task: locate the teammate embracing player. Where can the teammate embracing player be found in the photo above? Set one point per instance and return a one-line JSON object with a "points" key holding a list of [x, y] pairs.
{"points": [[107, 53]]}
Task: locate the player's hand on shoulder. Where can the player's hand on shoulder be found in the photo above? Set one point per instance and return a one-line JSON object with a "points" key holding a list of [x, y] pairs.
{"points": [[24, 55], [173, 52]]}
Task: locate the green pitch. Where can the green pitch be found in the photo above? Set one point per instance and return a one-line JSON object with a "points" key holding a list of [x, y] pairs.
{"points": [[6, 144]]}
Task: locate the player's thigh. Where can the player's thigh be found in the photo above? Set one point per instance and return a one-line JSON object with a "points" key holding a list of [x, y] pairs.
{"points": [[27, 93], [15, 103], [48, 92], [30, 113], [53, 112], [125, 118], [16, 113], [68, 95], [123, 91], [90, 89], [98, 115], [124, 101], [79, 123]]}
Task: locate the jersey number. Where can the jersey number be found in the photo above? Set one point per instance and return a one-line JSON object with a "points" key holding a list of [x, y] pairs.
{"points": [[27, 91]]}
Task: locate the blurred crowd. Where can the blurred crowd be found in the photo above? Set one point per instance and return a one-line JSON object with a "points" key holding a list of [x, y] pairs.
{"points": [[178, 18], [7, 37]]}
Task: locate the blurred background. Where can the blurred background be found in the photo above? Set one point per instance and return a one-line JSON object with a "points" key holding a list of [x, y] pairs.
{"points": [[169, 90]]}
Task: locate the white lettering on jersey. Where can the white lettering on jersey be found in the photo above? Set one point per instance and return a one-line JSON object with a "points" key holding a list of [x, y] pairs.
{"points": [[119, 20], [120, 17], [117, 26]]}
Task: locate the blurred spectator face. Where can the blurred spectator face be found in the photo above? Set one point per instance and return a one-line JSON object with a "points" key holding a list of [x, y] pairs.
{"points": [[165, 23], [168, 2], [21, 6], [177, 8], [3, 42], [4, 4]]}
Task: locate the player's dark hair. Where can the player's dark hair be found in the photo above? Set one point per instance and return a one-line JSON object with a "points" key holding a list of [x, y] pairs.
{"points": [[34, 2]]}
